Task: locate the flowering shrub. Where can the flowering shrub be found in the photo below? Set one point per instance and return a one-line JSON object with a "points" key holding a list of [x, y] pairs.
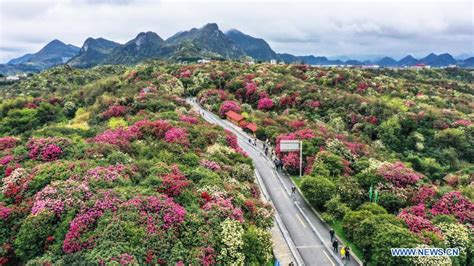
{"points": [[457, 204], [222, 207], [291, 161], [15, 184], [6, 159], [173, 183], [418, 224], [4, 211], [7, 143], [211, 165], [431, 260], [227, 106], [177, 135], [108, 173], [398, 174], [189, 119], [231, 253], [114, 111], [119, 137], [423, 194], [60, 196], [46, 149], [265, 104]]}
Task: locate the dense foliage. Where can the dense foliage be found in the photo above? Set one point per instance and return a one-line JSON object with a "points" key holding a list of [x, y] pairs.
{"points": [[117, 169]]}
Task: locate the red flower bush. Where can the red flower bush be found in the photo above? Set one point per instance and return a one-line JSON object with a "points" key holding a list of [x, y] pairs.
{"points": [[229, 106], [157, 128], [398, 174], [418, 224], [7, 143], [4, 211], [119, 137], [114, 111], [250, 89], [297, 124], [46, 149], [177, 135], [313, 104], [173, 183], [424, 194], [457, 204], [222, 207], [189, 119], [291, 160], [265, 104]]}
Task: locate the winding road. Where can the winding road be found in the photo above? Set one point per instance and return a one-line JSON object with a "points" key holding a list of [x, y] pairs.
{"points": [[309, 238]]}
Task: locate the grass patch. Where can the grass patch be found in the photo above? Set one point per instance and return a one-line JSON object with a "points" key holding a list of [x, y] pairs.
{"points": [[297, 180]]}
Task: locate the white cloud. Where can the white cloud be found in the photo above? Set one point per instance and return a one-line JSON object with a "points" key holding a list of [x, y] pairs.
{"points": [[299, 27]]}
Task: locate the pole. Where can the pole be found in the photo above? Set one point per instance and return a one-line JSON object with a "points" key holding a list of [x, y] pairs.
{"points": [[301, 158]]}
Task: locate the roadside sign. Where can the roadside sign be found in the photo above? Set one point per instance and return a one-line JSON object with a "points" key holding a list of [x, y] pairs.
{"points": [[289, 145]]}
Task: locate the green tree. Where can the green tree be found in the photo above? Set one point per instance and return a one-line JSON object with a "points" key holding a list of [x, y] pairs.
{"points": [[317, 190]]}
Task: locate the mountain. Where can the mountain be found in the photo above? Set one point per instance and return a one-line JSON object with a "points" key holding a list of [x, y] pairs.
{"points": [[54, 53], [146, 45], [93, 52], [255, 47], [20, 60], [468, 62], [438, 60], [408, 61], [207, 41], [386, 62]]}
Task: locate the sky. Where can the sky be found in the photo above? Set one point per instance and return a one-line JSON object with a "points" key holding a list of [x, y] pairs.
{"points": [[359, 29]]}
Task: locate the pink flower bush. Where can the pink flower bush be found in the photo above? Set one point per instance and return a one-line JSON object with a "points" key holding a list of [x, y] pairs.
{"points": [[185, 74], [15, 184], [208, 256], [119, 137], [159, 212], [418, 210], [455, 203], [46, 149], [423, 194], [114, 111], [6, 159], [222, 207], [265, 104], [157, 128], [211, 165], [108, 173], [418, 224], [4, 211], [7, 143], [250, 89], [313, 104], [296, 124], [177, 135], [229, 106], [73, 241], [398, 174], [189, 119], [60, 196], [173, 183], [291, 160], [462, 122]]}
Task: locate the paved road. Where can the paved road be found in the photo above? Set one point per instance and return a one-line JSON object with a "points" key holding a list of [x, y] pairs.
{"points": [[304, 228]]}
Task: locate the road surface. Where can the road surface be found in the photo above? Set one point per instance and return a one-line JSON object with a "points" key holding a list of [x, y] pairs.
{"points": [[309, 235]]}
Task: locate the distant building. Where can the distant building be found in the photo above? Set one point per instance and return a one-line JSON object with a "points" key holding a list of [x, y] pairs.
{"points": [[420, 66], [273, 62], [204, 61], [13, 78]]}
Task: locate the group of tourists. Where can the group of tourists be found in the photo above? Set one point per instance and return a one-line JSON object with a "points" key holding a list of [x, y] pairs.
{"points": [[345, 251]]}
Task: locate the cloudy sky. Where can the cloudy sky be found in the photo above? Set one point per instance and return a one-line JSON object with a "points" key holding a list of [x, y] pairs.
{"points": [[357, 28]]}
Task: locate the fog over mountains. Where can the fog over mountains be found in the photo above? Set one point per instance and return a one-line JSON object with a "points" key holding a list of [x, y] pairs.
{"points": [[197, 43]]}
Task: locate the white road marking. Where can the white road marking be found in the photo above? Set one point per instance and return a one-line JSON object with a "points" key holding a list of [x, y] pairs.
{"points": [[301, 221], [327, 256]]}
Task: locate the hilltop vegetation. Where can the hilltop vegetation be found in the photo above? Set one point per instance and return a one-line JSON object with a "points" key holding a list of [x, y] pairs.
{"points": [[109, 164]]}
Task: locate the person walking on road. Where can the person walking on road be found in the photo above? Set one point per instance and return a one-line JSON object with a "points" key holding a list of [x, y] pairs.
{"points": [[343, 253], [335, 245], [348, 255], [293, 190], [331, 233]]}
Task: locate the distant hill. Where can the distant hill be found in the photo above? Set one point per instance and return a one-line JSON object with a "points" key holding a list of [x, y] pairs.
{"points": [[93, 52], [387, 62], [207, 41], [197, 43], [146, 45], [253, 47], [407, 61]]}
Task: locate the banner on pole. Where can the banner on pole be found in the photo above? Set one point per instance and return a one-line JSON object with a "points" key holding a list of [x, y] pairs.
{"points": [[289, 145]]}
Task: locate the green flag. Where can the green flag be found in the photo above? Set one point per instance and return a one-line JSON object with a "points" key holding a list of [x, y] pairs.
{"points": [[376, 196], [370, 193]]}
